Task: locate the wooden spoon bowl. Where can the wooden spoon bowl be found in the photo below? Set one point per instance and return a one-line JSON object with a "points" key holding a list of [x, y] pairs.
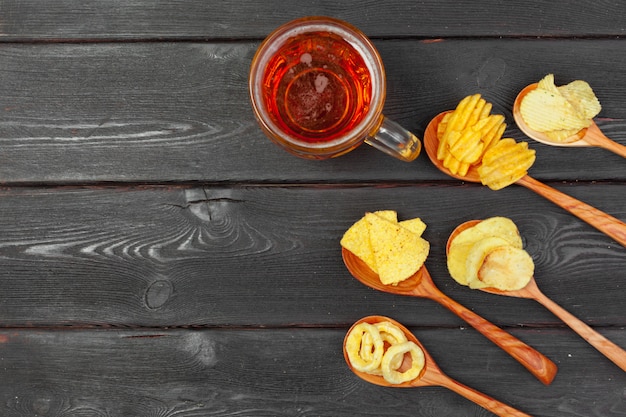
{"points": [[609, 349], [602, 221], [422, 285], [431, 375], [591, 136]]}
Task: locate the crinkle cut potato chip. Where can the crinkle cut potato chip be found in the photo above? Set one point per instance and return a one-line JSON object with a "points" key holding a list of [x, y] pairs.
{"points": [[470, 137], [394, 250], [490, 254], [505, 163], [560, 112]]}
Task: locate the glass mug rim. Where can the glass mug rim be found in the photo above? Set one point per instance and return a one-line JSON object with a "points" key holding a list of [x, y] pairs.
{"points": [[357, 40]]}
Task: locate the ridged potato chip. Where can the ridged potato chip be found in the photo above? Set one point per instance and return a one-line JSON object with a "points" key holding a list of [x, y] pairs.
{"points": [[466, 133], [505, 163], [545, 111], [582, 97], [560, 112]]}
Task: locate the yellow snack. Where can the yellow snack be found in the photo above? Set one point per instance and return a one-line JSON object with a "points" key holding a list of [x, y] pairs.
{"points": [[476, 256], [582, 97], [506, 268], [466, 133], [560, 112], [394, 250], [398, 252], [357, 240], [458, 251], [396, 352], [545, 111], [505, 163], [380, 348], [415, 225], [490, 255], [390, 333], [368, 359]]}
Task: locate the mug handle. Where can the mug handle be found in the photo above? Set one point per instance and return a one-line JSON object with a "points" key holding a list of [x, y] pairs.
{"points": [[394, 140]]}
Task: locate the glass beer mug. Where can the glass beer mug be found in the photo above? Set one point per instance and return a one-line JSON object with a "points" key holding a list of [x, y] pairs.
{"points": [[318, 87]]}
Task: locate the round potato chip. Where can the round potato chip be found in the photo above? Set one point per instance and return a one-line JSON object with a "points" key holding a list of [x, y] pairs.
{"points": [[476, 256], [505, 268], [460, 246]]}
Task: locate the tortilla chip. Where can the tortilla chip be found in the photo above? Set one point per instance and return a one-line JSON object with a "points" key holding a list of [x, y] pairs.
{"points": [[398, 252]]}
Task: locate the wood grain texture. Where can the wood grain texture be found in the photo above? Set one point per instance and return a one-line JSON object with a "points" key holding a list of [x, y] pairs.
{"points": [[250, 256], [172, 112], [177, 19], [159, 257], [288, 372]]}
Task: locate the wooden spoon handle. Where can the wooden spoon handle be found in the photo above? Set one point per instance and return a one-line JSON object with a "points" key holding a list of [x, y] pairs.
{"points": [[602, 221], [595, 137], [609, 349], [538, 364], [485, 401]]}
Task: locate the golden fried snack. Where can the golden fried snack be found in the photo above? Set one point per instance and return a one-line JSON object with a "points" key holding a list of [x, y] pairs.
{"points": [[395, 354], [460, 246], [560, 112], [467, 132], [505, 163], [398, 252], [366, 359], [394, 250], [490, 255], [380, 349]]}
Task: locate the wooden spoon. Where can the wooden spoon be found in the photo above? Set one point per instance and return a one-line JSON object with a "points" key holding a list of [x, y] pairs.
{"points": [[591, 136], [422, 285], [531, 291], [602, 221], [431, 375]]}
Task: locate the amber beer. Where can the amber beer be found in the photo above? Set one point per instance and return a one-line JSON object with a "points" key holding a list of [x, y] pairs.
{"points": [[317, 87]]}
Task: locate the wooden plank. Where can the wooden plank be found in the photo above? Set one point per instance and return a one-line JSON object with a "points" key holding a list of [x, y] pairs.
{"points": [[121, 20], [172, 112], [282, 372], [252, 256]]}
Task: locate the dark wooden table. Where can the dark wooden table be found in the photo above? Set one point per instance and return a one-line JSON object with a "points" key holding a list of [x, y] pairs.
{"points": [[160, 257]]}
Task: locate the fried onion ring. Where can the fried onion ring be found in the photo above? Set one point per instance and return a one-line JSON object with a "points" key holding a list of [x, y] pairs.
{"points": [[390, 333], [365, 347], [391, 374]]}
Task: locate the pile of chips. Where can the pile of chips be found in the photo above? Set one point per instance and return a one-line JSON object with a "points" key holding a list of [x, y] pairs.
{"points": [[380, 348], [470, 136], [466, 133], [394, 250], [490, 255], [560, 112]]}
